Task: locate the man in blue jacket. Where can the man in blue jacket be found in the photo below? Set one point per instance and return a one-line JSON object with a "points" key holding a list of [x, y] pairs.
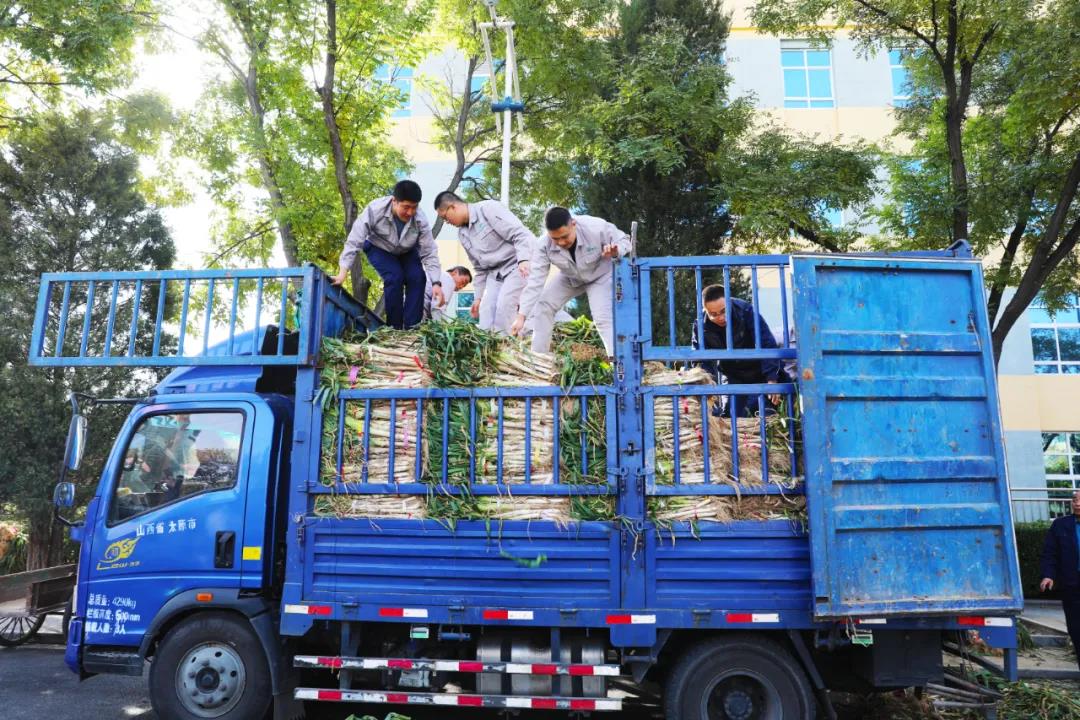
{"points": [[1061, 567], [742, 318]]}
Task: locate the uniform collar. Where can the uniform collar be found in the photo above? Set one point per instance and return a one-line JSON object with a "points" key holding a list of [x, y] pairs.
{"points": [[390, 211], [473, 215]]}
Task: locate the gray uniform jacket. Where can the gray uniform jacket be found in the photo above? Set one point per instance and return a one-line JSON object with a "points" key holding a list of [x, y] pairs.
{"points": [[495, 241], [376, 225], [593, 234]]}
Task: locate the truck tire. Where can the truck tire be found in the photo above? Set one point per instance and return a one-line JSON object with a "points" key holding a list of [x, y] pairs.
{"points": [[210, 666], [741, 677]]}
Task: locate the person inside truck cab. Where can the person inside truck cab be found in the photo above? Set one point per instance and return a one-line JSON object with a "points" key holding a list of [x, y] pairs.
{"points": [[396, 238], [742, 317], [170, 455]]}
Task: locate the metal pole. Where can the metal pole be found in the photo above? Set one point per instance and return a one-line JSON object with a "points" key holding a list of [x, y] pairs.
{"points": [[508, 119]]}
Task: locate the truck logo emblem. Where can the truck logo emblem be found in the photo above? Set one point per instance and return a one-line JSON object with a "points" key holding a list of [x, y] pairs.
{"points": [[117, 553]]}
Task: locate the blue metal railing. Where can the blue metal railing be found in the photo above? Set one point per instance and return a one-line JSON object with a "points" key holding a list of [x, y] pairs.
{"points": [[185, 317], [659, 277], [432, 408]]}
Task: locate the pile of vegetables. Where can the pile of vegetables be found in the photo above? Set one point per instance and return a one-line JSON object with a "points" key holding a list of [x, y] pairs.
{"points": [[448, 443], [460, 440]]}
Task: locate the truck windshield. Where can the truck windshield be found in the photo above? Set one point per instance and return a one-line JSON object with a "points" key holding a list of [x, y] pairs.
{"points": [[171, 456]]}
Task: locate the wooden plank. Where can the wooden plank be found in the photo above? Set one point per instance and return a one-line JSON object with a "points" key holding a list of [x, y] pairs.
{"points": [[52, 594], [18, 585]]}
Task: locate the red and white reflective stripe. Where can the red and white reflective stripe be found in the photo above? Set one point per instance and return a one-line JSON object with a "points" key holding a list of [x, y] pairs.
{"points": [[870, 621], [740, 617], [631, 619], [309, 609], [444, 699], [462, 666], [403, 612], [508, 614], [976, 621]]}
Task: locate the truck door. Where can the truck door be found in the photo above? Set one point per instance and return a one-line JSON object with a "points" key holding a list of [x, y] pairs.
{"points": [[906, 488], [172, 514]]}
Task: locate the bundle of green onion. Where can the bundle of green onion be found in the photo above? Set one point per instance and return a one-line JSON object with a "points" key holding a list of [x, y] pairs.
{"points": [[382, 359], [457, 440]]}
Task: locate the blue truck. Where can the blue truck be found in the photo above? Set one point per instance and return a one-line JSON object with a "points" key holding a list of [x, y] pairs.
{"points": [[242, 600]]}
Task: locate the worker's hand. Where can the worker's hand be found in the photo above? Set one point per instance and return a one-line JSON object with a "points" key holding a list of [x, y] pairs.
{"points": [[437, 295], [338, 279], [1046, 585], [610, 251], [523, 268], [474, 311], [775, 397], [519, 323]]}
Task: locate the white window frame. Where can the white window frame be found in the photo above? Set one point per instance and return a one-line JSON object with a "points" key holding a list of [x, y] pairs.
{"points": [[1060, 505], [1055, 326], [898, 100], [805, 46]]}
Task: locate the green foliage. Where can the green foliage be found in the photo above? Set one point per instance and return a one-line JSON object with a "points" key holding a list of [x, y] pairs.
{"points": [[994, 145], [69, 201], [263, 126], [1029, 545], [49, 44], [782, 187], [14, 558]]}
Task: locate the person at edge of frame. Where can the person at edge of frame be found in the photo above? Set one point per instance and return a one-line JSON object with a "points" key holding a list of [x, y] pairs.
{"points": [[1060, 568]]}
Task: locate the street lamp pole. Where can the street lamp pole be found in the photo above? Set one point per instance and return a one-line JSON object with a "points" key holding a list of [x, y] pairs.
{"points": [[511, 99]]}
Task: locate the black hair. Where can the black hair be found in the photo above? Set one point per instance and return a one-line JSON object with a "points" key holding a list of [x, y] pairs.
{"points": [[445, 198], [461, 270], [556, 217], [407, 191], [712, 292]]}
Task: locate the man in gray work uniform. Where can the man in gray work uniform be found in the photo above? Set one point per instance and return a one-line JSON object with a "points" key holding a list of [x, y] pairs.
{"points": [[396, 238], [499, 247], [582, 247]]}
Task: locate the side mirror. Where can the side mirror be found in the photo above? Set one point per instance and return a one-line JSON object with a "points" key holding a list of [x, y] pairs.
{"points": [[76, 442], [64, 494]]}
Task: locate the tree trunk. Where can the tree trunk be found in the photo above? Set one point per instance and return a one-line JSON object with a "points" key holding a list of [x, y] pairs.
{"points": [[266, 169], [459, 137], [1047, 256], [361, 285], [250, 80], [37, 545]]}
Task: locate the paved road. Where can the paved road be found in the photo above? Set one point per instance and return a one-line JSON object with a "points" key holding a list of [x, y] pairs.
{"points": [[35, 684]]}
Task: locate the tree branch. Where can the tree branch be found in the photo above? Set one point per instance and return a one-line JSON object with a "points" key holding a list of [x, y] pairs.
{"points": [[814, 237], [910, 29]]}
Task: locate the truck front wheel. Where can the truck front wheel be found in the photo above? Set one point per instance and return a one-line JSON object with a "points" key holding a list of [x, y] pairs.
{"points": [[742, 677], [210, 666]]}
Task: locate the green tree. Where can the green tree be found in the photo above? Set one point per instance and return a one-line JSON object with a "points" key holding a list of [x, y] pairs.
{"points": [[996, 147], [49, 45], [302, 117], [69, 201]]}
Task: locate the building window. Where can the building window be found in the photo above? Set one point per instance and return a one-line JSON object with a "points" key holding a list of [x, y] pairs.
{"points": [[478, 85], [901, 77], [1061, 460], [807, 76], [1055, 338], [402, 80]]}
